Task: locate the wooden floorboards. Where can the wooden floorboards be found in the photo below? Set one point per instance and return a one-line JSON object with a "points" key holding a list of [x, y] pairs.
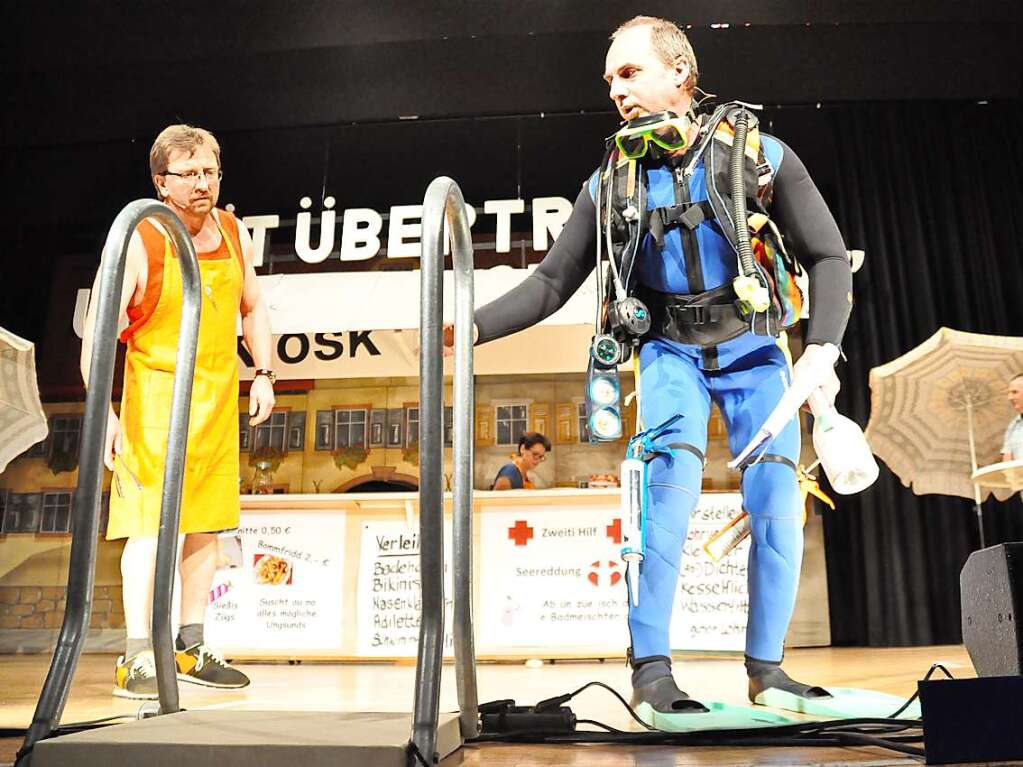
{"points": [[354, 687]]}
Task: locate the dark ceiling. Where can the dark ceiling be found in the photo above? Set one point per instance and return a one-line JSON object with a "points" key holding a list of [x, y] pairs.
{"points": [[78, 72]]}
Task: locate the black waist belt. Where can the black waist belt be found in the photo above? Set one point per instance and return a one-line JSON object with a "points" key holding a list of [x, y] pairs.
{"points": [[703, 320]]}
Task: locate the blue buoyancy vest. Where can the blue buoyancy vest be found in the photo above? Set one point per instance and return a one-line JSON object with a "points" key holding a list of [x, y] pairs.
{"points": [[666, 262]]}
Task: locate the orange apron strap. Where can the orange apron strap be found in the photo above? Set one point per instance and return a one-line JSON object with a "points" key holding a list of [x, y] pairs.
{"points": [[235, 254], [140, 313]]}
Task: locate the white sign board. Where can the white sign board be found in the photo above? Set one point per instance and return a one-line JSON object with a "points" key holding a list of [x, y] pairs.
{"points": [[278, 585], [712, 599], [553, 577], [389, 596]]}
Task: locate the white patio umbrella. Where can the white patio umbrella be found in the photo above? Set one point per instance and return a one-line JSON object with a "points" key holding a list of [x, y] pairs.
{"points": [[940, 410], [22, 420]]}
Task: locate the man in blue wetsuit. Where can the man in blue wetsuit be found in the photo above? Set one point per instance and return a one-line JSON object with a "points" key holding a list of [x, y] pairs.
{"points": [[691, 358]]}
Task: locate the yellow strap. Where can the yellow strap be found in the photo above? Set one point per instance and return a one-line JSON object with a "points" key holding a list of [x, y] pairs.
{"points": [[808, 485], [811, 487], [753, 144], [756, 222], [230, 247], [725, 133]]}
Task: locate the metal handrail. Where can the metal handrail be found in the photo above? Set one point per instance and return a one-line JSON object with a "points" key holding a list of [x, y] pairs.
{"points": [[174, 467], [444, 200], [88, 493]]}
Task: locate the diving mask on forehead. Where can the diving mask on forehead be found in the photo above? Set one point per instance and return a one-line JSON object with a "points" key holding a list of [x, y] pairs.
{"points": [[665, 130]]}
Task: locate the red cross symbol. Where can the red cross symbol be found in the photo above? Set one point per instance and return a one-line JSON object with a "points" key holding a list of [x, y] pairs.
{"points": [[520, 533], [614, 531]]}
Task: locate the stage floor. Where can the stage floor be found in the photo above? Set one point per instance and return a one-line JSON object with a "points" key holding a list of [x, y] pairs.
{"points": [[388, 687]]}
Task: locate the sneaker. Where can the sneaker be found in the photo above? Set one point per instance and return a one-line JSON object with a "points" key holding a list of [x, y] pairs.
{"points": [[136, 678], [199, 664]]}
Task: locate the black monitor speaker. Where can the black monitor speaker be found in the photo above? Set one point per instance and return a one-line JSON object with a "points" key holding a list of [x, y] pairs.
{"points": [[992, 596]]}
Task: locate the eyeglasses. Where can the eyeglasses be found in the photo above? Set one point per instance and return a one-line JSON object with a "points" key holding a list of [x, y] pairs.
{"points": [[212, 176], [538, 456]]}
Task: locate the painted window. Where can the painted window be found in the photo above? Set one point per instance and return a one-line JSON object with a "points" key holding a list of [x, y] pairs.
{"points": [[350, 428], [56, 517], [272, 432], [511, 423]]}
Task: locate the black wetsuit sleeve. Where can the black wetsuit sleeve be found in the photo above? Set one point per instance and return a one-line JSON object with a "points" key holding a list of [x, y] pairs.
{"points": [[569, 261], [812, 236]]}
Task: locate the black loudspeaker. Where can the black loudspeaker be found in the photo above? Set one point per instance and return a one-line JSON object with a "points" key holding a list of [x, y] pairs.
{"points": [[992, 591]]}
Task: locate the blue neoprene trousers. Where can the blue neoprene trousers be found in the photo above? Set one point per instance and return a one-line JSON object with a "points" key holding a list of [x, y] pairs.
{"points": [[671, 381]]}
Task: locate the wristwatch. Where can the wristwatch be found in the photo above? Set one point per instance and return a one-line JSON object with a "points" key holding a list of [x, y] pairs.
{"points": [[266, 372]]}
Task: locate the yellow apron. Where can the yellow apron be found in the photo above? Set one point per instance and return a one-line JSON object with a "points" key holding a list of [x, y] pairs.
{"points": [[210, 497]]}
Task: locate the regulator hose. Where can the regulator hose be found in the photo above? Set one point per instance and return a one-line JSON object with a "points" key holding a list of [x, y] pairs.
{"points": [[739, 212]]}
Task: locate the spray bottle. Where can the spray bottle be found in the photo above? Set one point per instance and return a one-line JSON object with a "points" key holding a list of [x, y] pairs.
{"points": [[841, 447], [842, 451]]}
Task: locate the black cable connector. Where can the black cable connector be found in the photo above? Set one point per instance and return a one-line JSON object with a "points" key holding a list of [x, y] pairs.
{"points": [[550, 703], [504, 717]]}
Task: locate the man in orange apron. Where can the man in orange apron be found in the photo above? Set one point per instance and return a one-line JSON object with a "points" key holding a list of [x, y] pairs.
{"points": [[186, 170]]}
